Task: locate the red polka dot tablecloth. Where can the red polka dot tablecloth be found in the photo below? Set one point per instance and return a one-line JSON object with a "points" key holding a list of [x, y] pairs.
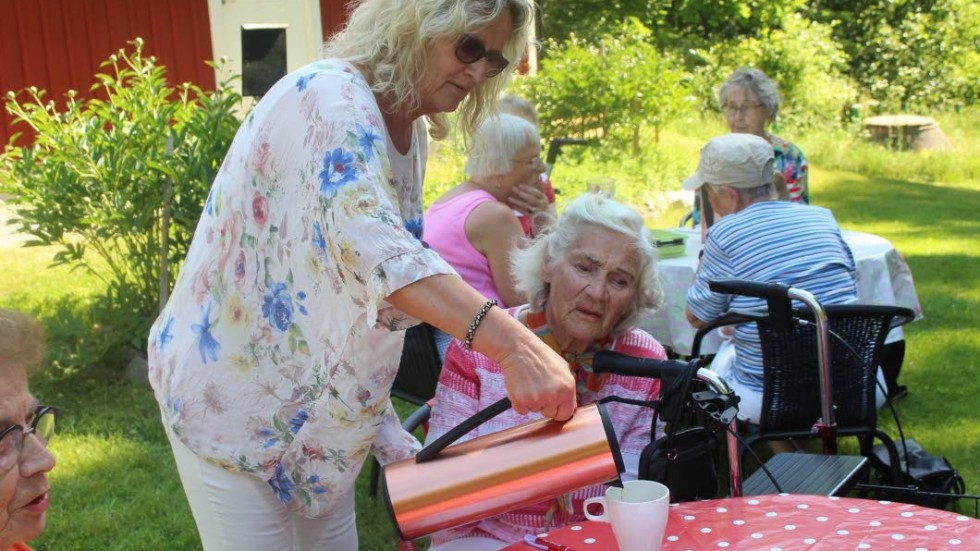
{"points": [[792, 522]]}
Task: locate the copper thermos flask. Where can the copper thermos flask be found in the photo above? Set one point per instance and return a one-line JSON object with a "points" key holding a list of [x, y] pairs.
{"points": [[444, 487]]}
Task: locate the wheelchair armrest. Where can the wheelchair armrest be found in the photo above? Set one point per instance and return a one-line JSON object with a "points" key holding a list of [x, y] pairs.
{"points": [[902, 316], [418, 417]]}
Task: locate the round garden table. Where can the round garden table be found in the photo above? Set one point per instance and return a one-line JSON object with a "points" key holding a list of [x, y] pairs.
{"points": [[790, 523]]}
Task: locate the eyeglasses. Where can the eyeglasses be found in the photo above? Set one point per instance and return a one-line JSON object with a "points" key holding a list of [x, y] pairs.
{"points": [[535, 162], [740, 109], [470, 50], [41, 426]]}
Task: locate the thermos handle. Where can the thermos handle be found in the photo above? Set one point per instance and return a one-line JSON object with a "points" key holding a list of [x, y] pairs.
{"points": [[429, 452]]}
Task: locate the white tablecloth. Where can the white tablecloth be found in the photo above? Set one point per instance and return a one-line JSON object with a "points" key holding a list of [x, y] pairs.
{"points": [[883, 278]]}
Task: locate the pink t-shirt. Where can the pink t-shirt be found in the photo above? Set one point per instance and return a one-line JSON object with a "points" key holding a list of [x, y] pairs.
{"points": [[444, 229]]}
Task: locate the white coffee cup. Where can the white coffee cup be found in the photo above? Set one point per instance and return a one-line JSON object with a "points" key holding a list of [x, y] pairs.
{"points": [[637, 513]]}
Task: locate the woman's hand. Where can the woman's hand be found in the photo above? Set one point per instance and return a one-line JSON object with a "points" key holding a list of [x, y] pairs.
{"points": [[536, 378], [532, 201], [539, 382], [529, 199]]}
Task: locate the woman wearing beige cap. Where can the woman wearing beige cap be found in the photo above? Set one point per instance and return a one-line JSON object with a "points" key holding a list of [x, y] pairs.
{"points": [[759, 238]]}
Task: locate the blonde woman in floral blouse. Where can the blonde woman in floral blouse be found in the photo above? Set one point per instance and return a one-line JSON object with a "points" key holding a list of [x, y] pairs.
{"points": [[273, 359]]}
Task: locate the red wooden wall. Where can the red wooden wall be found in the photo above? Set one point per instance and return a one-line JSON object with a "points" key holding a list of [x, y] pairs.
{"points": [[57, 45], [333, 15]]}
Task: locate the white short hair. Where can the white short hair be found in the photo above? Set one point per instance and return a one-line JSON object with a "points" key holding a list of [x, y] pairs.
{"points": [[582, 214], [496, 142]]}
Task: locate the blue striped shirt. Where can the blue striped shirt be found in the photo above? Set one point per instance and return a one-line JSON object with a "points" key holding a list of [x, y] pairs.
{"points": [[771, 241]]}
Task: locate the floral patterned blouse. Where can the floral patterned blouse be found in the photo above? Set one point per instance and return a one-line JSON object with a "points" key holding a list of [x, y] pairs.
{"points": [[276, 352]]}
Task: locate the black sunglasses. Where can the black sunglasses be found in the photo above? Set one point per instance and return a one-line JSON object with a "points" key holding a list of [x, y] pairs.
{"points": [[470, 50]]}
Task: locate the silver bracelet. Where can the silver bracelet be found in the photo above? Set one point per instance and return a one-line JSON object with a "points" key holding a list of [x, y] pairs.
{"points": [[468, 343]]}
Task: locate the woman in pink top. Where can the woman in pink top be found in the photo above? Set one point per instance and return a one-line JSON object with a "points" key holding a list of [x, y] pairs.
{"points": [[472, 226]]}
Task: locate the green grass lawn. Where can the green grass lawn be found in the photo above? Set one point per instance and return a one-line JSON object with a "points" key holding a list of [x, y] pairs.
{"points": [[116, 486], [935, 228]]}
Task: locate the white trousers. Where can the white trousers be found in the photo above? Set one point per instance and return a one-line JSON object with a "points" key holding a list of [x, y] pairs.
{"points": [[240, 512], [750, 405]]}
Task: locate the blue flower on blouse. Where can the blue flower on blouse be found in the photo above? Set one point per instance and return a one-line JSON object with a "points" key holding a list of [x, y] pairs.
{"points": [[414, 227], [302, 307], [318, 239], [173, 404], [303, 81], [338, 169], [270, 438], [206, 345], [298, 420], [164, 336], [366, 137], [281, 485], [278, 306], [209, 203]]}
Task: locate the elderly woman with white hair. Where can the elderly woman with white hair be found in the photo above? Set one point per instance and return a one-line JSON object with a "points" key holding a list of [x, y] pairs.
{"points": [[589, 281], [751, 103], [472, 226]]}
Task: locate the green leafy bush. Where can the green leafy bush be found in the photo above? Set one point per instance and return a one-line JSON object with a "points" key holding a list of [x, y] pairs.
{"points": [[609, 87], [102, 174], [803, 59]]}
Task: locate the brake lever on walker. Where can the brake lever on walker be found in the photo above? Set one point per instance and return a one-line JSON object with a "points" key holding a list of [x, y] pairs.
{"points": [[720, 407]]}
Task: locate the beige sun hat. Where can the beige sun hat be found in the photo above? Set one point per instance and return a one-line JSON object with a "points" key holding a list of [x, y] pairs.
{"points": [[737, 160]]}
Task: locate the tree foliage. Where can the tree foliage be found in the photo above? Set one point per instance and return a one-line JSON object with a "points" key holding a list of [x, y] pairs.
{"points": [[670, 20], [801, 56], [100, 173], [909, 54], [902, 54], [610, 86]]}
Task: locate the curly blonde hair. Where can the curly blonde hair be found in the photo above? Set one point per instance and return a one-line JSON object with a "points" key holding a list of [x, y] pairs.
{"points": [[22, 340], [387, 40]]}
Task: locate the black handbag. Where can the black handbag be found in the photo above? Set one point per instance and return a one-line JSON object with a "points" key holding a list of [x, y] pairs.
{"points": [[928, 480], [685, 462], [682, 459]]}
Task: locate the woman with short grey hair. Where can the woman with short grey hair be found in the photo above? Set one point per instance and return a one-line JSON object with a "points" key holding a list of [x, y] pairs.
{"points": [[751, 101]]}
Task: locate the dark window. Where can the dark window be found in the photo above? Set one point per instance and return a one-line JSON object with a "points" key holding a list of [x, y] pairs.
{"points": [[263, 57]]}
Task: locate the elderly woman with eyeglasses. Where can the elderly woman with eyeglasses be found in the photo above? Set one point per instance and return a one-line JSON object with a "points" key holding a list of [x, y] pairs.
{"points": [[472, 226], [25, 429], [589, 281], [274, 358], [751, 102]]}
